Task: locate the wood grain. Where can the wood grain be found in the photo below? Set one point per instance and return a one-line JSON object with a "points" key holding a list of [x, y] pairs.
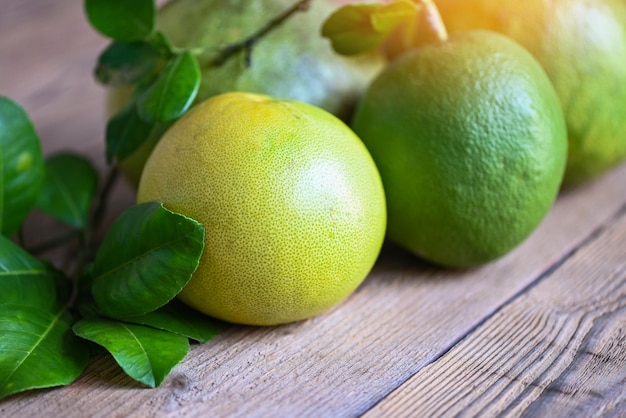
{"points": [[404, 319], [558, 350], [47, 55]]}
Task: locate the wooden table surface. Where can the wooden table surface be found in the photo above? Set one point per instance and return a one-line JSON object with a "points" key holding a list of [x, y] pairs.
{"points": [[540, 332]]}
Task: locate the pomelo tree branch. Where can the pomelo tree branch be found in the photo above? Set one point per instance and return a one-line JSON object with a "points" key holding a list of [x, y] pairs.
{"points": [[249, 42]]}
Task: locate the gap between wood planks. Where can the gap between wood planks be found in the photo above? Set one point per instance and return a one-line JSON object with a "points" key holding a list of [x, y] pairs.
{"points": [[621, 212]]}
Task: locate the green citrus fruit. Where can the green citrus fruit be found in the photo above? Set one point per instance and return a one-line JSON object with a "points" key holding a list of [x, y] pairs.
{"points": [[291, 200], [470, 142], [582, 46], [291, 61]]}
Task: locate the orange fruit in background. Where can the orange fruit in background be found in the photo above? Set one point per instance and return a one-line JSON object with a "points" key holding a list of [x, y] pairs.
{"points": [[470, 142], [292, 61], [582, 46], [291, 201]]}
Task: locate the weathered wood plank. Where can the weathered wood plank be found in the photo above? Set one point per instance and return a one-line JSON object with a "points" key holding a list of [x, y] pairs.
{"points": [[341, 364], [47, 56], [557, 351]]}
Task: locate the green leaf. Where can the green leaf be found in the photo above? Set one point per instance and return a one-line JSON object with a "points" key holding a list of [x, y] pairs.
{"points": [[358, 28], [126, 132], [25, 280], [38, 349], [122, 20], [182, 320], [68, 189], [146, 258], [124, 63], [174, 90], [21, 166], [145, 354]]}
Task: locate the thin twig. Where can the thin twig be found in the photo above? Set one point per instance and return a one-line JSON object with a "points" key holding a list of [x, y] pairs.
{"points": [[103, 199], [20, 237], [248, 43], [53, 243], [86, 240]]}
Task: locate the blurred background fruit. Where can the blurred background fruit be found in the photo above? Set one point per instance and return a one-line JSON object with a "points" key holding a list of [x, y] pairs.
{"points": [[291, 61], [582, 46]]}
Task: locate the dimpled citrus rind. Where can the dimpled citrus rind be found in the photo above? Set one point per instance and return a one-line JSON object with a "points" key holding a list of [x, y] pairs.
{"points": [[582, 46], [470, 142], [291, 201]]}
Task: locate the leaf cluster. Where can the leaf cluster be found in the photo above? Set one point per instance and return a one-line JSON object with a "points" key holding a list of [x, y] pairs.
{"points": [[117, 291], [164, 80], [121, 300]]}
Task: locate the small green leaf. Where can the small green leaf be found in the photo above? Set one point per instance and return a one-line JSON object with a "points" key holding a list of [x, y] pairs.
{"points": [[38, 349], [68, 189], [21, 166], [162, 44], [126, 132], [174, 90], [122, 20], [25, 280], [145, 354], [124, 63], [358, 28], [146, 258], [182, 320]]}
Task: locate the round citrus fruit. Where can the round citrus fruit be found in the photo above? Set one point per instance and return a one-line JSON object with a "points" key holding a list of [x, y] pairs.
{"points": [[291, 201], [582, 46], [470, 142], [290, 61]]}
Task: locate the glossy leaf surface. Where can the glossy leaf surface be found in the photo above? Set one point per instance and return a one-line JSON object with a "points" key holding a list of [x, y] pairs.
{"points": [[173, 92], [145, 354], [38, 349], [180, 319], [146, 258], [21, 166], [122, 20], [68, 189]]}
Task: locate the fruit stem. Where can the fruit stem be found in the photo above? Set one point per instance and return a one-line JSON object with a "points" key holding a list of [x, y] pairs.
{"points": [[426, 27], [434, 21]]}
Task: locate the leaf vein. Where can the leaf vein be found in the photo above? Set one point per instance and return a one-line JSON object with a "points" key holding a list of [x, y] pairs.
{"points": [[29, 352], [66, 195], [23, 272], [143, 255]]}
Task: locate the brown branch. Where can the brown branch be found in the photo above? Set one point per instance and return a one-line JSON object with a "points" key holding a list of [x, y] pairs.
{"points": [[248, 43]]}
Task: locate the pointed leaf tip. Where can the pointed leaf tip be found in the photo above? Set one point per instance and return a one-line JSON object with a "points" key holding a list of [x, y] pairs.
{"points": [[145, 354], [146, 258]]}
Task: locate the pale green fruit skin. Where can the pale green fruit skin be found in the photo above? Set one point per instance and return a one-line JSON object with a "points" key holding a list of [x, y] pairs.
{"points": [[293, 61], [292, 204]]}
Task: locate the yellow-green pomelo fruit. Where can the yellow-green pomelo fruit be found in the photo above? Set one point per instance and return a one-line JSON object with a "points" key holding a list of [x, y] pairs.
{"points": [[470, 142], [582, 46], [291, 201], [291, 61]]}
